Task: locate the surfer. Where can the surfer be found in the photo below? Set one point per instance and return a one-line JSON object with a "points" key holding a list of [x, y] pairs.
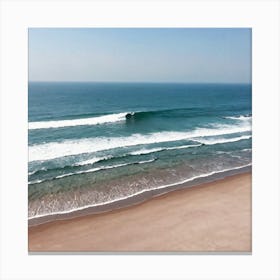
{"points": [[128, 116]]}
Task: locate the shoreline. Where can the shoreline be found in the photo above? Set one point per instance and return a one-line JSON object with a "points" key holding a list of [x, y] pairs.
{"points": [[137, 198], [206, 218]]}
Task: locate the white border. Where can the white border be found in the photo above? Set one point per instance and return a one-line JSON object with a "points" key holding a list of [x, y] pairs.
{"points": [[262, 16]]}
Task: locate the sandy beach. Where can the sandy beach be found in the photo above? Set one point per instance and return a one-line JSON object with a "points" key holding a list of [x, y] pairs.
{"points": [[213, 217]]}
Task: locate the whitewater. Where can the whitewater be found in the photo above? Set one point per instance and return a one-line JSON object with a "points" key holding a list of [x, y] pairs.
{"points": [[93, 144]]}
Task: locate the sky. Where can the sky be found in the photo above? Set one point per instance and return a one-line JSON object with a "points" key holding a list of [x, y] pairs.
{"points": [[187, 55]]}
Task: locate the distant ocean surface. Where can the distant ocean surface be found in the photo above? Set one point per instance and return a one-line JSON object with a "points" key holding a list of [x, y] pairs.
{"points": [[92, 144]]}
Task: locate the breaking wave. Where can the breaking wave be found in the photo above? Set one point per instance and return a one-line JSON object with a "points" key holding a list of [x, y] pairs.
{"points": [[78, 122], [53, 150]]}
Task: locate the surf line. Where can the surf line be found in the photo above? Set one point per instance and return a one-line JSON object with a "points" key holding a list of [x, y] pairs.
{"points": [[139, 192]]}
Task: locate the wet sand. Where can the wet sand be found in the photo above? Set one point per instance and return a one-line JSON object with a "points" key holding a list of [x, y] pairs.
{"points": [[212, 217]]}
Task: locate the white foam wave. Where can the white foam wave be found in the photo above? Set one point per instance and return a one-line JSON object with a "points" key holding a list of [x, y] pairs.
{"points": [[78, 122], [145, 152], [142, 191], [36, 170], [150, 151], [35, 182], [53, 150], [246, 150], [240, 118], [222, 140], [91, 161], [104, 168], [94, 170]]}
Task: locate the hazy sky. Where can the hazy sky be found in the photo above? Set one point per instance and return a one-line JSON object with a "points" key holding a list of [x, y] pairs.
{"points": [[140, 54]]}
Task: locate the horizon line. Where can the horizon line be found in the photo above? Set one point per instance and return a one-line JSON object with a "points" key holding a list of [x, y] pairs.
{"points": [[139, 82]]}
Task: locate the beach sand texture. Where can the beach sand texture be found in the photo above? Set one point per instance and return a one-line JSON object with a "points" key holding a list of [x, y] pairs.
{"points": [[213, 217]]}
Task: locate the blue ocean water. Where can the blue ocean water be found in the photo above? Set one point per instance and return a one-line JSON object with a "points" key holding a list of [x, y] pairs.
{"points": [[93, 143]]}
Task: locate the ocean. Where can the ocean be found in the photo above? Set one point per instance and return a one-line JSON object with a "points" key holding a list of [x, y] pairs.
{"points": [[106, 144]]}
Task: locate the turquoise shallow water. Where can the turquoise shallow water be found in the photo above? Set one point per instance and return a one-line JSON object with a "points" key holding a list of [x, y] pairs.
{"points": [[92, 143]]}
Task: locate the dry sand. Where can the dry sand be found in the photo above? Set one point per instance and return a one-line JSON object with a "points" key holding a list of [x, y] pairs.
{"points": [[213, 217]]}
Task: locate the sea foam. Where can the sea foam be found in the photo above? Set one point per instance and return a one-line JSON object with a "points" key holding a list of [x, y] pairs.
{"points": [[96, 169], [155, 150], [223, 140], [53, 150], [240, 118], [78, 122], [142, 191]]}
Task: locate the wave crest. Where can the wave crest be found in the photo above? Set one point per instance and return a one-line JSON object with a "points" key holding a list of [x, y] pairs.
{"points": [[78, 122], [53, 150], [96, 169], [241, 118]]}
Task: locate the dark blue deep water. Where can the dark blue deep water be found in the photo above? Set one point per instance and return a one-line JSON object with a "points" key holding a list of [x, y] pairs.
{"points": [[92, 143]]}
